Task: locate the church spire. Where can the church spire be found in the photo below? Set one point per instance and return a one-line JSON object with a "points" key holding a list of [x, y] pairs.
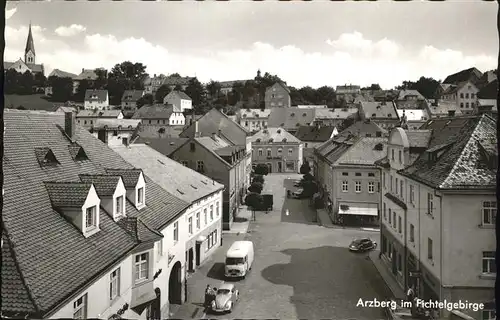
{"points": [[29, 52]]}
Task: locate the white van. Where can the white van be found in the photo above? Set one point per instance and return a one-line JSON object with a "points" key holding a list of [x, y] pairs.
{"points": [[239, 259]]}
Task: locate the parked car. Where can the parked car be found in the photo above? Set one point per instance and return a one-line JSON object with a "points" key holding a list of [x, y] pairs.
{"points": [[362, 245], [399, 313], [225, 298], [299, 194]]}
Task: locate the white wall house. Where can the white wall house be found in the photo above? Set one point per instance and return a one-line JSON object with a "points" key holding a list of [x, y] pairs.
{"points": [[96, 99], [194, 235], [160, 114], [179, 99], [464, 94], [431, 212]]}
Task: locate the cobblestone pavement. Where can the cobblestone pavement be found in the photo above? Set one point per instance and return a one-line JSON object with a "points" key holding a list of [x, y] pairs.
{"points": [[301, 270]]}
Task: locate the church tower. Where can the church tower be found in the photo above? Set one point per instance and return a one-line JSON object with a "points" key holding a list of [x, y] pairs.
{"points": [[29, 52]]}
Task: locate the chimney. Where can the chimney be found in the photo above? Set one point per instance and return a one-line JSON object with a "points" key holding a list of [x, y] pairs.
{"points": [[214, 136], [196, 132], [125, 141], [451, 113], [219, 133], [70, 124]]}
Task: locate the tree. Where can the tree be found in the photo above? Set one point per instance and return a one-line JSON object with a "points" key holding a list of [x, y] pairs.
{"points": [[305, 168], [62, 88], [146, 99], [161, 93], [40, 80], [326, 95], [196, 92], [11, 82], [255, 202], [373, 87], [213, 88], [83, 86], [310, 187], [256, 187], [261, 169], [258, 178], [426, 86], [161, 131], [130, 71], [308, 177], [102, 79], [26, 83]]}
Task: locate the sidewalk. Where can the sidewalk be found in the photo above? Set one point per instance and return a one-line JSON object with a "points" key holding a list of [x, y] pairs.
{"points": [[241, 222], [397, 291], [211, 271]]}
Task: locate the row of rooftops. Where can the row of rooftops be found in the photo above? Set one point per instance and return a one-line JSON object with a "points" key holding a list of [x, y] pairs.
{"points": [[445, 153], [50, 166]]}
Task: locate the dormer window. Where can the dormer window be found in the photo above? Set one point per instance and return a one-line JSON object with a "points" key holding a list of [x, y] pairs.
{"points": [[91, 218], [120, 205], [46, 157], [140, 196]]}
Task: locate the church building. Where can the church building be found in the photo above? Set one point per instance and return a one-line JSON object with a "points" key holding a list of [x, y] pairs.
{"points": [[29, 63]]}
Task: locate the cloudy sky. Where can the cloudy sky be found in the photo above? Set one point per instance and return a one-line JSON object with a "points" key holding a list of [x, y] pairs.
{"points": [[312, 43]]}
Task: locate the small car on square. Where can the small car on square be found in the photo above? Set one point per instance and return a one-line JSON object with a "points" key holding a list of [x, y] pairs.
{"points": [[362, 245], [225, 298]]}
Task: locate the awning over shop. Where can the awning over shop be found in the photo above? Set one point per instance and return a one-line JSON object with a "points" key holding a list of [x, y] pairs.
{"points": [[141, 298], [362, 209]]}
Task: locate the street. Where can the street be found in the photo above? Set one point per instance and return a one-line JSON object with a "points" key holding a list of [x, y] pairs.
{"points": [[301, 270]]}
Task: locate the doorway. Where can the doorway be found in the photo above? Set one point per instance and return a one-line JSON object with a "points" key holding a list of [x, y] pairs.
{"points": [[280, 166], [175, 285], [270, 167], [394, 261], [198, 254], [191, 259]]}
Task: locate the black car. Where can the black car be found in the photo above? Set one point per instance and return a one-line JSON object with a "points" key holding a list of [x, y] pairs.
{"points": [[362, 245]]}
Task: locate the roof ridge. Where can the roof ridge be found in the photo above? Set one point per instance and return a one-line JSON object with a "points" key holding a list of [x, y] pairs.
{"points": [[31, 295], [460, 157]]}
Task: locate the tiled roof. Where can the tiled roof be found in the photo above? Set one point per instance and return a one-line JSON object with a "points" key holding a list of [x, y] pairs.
{"points": [[130, 177], [173, 81], [65, 109], [418, 138], [464, 75], [337, 113], [460, 166], [403, 94], [362, 127], [139, 231], [212, 143], [414, 114], [155, 111], [105, 184], [96, 95], [53, 257], [35, 67], [490, 91], [98, 113], [181, 181], [364, 151], [113, 124], [290, 118], [16, 296], [254, 113], [67, 194], [379, 110], [283, 85], [62, 74], [132, 95], [314, 133], [229, 150], [212, 122], [181, 95], [88, 74], [276, 134], [164, 146]]}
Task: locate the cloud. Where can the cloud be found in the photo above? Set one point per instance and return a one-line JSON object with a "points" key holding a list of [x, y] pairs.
{"points": [[70, 31], [349, 59], [10, 12]]}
